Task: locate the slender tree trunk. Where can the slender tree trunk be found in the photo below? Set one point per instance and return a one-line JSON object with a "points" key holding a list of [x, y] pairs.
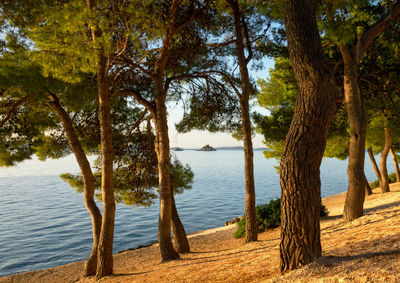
{"points": [[250, 203], [396, 164], [180, 241], [105, 250], [164, 173], [354, 203], [88, 182], [306, 139], [368, 190], [375, 166], [384, 155], [250, 206]]}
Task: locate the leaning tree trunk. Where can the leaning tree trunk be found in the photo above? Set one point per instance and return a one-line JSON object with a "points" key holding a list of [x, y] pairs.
{"points": [[375, 166], [306, 139], [396, 164], [105, 249], [384, 155], [180, 241], [250, 202], [162, 149], [368, 190], [354, 203], [88, 182]]}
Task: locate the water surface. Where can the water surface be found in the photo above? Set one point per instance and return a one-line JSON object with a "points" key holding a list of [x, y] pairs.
{"points": [[43, 222]]}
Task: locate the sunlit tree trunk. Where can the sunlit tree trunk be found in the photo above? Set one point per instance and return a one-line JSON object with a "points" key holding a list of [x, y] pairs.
{"points": [[306, 139], [384, 155], [396, 164], [88, 182], [375, 166], [180, 241], [368, 190], [250, 202], [162, 150], [354, 203]]}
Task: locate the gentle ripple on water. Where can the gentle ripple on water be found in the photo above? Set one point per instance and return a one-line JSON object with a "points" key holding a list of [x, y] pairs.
{"points": [[44, 223]]}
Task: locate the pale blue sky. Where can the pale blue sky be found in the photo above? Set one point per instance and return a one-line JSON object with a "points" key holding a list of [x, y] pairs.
{"points": [[197, 139]]}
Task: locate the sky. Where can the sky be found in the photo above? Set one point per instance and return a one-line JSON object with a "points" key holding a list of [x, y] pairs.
{"points": [[198, 139]]}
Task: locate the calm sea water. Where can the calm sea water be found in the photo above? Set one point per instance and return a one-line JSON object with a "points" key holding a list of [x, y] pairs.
{"points": [[43, 222]]}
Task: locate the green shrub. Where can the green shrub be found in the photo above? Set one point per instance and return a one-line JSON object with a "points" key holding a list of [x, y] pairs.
{"points": [[374, 184], [392, 179], [268, 216]]}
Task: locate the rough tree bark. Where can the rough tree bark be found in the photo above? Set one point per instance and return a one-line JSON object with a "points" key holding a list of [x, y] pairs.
{"points": [[250, 203], [180, 241], [384, 155], [88, 181], [354, 204], [162, 150], [105, 246], [179, 237], [355, 196], [105, 258], [396, 164], [306, 139]]}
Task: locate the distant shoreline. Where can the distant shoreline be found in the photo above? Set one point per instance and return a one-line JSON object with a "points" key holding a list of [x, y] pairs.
{"points": [[220, 148]]}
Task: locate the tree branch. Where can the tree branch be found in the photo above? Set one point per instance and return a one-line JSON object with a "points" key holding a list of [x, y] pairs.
{"points": [[203, 75], [368, 36], [14, 107], [136, 65], [140, 99]]}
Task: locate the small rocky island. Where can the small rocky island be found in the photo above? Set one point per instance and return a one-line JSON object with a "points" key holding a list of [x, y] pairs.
{"points": [[207, 147], [176, 149]]}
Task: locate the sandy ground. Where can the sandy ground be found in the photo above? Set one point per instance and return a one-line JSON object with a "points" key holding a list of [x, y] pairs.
{"points": [[365, 250]]}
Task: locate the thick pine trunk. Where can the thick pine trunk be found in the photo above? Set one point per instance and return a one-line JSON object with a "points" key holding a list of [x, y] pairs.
{"points": [[306, 139], [396, 164], [250, 202], [162, 148], [105, 249], [375, 166], [180, 241], [88, 182], [354, 203], [384, 155]]}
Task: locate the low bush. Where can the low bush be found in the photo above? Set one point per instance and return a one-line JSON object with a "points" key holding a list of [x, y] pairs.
{"points": [[392, 179], [268, 216]]}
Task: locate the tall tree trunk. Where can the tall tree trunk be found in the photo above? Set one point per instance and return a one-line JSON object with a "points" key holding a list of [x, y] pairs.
{"points": [[306, 139], [384, 155], [180, 241], [250, 203], [354, 203], [368, 190], [396, 164], [164, 173], [105, 249], [375, 166], [88, 182], [105, 245]]}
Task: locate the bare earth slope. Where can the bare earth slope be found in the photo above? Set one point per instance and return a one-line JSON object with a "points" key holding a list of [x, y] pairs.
{"points": [[365, 250]]}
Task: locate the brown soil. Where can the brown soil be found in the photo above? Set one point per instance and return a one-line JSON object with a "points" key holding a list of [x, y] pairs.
{"points": [[365, 250]]}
